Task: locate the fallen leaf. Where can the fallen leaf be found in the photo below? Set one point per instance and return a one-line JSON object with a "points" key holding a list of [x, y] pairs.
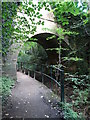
{"points": [[54, 107], [41, 96], [11, 117], [49, 101], [7, 114], [46, 116]]}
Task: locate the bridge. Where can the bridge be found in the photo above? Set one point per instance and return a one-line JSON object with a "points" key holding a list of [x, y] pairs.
{"points": [[39, 92], [41, 34], [29, 97]]}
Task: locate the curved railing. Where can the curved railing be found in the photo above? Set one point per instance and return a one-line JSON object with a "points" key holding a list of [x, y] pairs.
{"points": [[53, 73]]}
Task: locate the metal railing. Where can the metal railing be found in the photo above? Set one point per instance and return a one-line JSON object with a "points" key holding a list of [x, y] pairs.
{"points": [[54, 74]]}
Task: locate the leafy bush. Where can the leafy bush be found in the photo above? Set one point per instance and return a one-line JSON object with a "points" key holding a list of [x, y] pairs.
{"points": [[80, 92], [69, 114], [78, 80], [7, 84], [80, 97]]}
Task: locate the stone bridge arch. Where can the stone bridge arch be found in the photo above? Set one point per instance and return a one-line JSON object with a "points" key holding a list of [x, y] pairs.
{"points": [[48, 44], [9, 67], [42, 32]]}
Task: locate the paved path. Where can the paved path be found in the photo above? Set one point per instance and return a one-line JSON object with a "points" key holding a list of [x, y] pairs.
{"points": [[30, 99]]}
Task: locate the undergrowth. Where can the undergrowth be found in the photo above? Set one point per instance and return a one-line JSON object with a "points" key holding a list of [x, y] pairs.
{"points": [[77, 93], [7, 85], [69, 114]]}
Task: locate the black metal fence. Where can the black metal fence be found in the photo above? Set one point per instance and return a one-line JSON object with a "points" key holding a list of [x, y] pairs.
{"points": [[50, 75]]}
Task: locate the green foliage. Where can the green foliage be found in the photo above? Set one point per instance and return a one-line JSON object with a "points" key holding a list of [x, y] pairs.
{"points": [[66, 11], [72, 59], [7, 84], [34, 55], [66, 14], [80, 93], [69, 114], [81, 90], [9, 10], [82, 80], [72, 19], [80, 97], [16, 27]]}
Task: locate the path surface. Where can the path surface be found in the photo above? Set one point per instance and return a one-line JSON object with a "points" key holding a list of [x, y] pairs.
{"points": [[30, 99]]}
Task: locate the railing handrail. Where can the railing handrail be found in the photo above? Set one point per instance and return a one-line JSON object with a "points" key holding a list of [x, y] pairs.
{"points": [[44, 74], [52, 66]]}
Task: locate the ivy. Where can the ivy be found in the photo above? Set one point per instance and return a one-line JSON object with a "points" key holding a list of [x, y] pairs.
{"points": [[8, 13], [17, 26]]}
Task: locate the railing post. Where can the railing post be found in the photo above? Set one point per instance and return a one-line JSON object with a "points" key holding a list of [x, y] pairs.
{"points": [[17, 68], [22, 69], [62, 86], [42, 74], [21, 66], [34, 74], [51, 76], [29, 73]]}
